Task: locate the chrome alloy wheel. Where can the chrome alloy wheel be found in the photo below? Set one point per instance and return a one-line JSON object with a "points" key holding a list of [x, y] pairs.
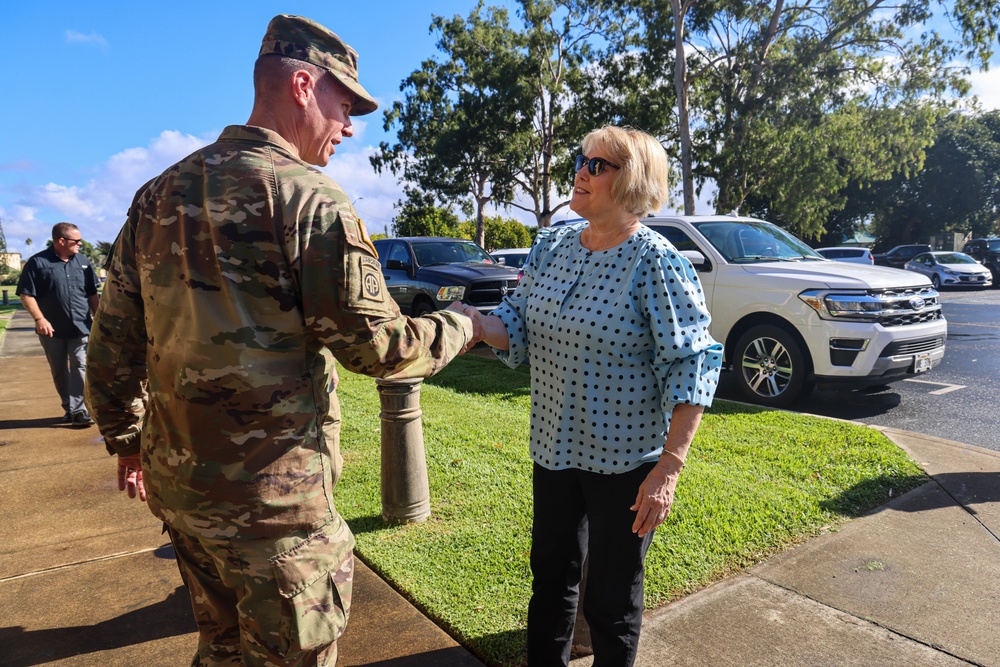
{"points": [[767, 367]]}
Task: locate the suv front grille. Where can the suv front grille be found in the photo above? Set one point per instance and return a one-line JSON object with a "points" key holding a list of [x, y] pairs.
{"points": [[489, 292], [900, 313], [907, 319]]}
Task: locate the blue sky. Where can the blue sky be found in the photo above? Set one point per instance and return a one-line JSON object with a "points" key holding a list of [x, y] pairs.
{"points": [[99, 97], [102, 96]]}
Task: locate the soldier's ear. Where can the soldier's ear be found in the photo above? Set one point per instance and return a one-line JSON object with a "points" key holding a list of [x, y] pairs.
{"points": [[303, 87]]}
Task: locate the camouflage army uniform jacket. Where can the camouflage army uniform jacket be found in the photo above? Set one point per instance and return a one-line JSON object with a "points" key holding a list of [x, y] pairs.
{"points": [[239, 275]]}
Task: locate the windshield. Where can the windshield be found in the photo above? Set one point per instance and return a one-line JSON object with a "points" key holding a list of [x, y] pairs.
{"points": [[744, 242], [993, 245], [449, 252], [954, 258]]}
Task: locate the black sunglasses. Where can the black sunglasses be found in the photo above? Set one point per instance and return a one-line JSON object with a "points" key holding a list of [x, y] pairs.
{"points": [[76, 241], [595, 165]]}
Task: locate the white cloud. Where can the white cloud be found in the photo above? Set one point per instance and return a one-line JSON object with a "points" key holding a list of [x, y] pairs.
{"points": [[986, 86], [374, 195], [99, 205], [74, 37]]}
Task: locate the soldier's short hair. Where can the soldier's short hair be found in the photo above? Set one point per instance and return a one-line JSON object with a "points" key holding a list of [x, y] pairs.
{"points": [[272, 70]]}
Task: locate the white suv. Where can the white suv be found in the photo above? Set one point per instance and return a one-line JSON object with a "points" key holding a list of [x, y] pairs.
{"points": [[791, 320]]}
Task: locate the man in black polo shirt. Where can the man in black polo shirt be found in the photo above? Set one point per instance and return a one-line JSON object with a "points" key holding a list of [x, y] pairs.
{"points": [[58, 287]]}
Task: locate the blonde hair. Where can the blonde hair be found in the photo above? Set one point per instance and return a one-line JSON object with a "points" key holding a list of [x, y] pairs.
{"points": [[642, 184]]}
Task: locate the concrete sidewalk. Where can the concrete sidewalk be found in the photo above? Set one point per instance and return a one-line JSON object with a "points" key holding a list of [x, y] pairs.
{"points": [[87, 579]]}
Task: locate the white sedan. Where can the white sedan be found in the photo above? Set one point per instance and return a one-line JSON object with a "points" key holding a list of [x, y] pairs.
{"points": [[848, 254], [950, 269]]}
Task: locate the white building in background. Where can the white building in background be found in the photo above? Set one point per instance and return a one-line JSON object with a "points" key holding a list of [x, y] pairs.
{"points": [[11, 260]]}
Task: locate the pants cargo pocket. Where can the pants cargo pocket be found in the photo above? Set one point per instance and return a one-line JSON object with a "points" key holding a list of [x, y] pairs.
{"points": [[316, 578]]}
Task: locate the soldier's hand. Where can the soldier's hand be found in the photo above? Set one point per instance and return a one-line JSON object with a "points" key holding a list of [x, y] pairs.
{"points": [[130, 476], [477, 322]]}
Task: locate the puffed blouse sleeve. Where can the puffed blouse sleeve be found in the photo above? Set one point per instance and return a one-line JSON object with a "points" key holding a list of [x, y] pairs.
{"points": [[512, 309], [686, 359], [511, 313]]}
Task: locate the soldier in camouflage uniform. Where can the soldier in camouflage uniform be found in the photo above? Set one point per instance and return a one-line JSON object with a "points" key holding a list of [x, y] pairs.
{"points": [[239, 276]]}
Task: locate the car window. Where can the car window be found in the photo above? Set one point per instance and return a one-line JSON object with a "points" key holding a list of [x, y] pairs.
{"points": [[512, 259], [955, 258], [747, 242], [677, 238], [993, 245], [398, 252], [447, 252]]}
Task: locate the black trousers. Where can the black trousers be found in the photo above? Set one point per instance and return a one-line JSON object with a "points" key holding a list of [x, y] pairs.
{"points": [[579, 513]]}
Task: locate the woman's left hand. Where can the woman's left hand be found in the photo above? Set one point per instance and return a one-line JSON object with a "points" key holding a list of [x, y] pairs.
{"points": [[652, 504]]}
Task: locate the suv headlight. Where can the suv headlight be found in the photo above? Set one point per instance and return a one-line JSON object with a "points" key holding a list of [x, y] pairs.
{"points": [[864, 307], [456, 293]]}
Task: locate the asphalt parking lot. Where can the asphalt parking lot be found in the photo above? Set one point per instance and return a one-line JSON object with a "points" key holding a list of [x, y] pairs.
{"points": [[957, 400]]}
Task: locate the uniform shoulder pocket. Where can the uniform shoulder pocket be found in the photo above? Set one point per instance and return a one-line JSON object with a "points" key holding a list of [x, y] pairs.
{"points": [[366, 290]]}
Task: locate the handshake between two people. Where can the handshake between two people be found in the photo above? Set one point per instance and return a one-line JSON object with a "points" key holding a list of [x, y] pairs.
{"points": [[485, 328]]}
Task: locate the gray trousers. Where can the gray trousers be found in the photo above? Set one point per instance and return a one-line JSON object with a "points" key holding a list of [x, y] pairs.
{"points": [[68, 362]]}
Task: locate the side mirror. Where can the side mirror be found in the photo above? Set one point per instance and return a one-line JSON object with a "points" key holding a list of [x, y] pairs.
{"points": [[395, 265], [698, 260], [502, 261]]}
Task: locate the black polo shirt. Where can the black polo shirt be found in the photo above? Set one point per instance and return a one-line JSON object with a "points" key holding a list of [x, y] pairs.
{"points": [[61, 290]]}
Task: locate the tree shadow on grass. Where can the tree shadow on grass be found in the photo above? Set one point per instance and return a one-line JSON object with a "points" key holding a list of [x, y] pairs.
{"points": [[168, 618], [476, 375], [871, 494], [371, 523], [971, 490], [502, 649]]}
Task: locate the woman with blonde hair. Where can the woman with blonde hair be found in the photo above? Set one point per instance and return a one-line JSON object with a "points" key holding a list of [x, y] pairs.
{"points": [[614, 323]]}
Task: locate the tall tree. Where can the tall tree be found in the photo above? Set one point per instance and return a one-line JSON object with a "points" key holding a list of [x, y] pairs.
{"points": [[460, 124], [789, 100], [500, 233], [488, 123], [958, 190], [416, 218]]}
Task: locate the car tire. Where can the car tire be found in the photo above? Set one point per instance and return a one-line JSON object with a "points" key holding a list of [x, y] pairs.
{"points": [[422, 307], [770, 367], [936, 282]]}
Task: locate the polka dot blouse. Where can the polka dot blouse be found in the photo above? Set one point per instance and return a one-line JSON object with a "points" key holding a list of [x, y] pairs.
{"points": [[615, 339]]}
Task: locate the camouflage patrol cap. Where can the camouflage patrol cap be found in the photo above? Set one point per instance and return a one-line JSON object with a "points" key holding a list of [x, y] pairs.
{"points": [[303, 39]]}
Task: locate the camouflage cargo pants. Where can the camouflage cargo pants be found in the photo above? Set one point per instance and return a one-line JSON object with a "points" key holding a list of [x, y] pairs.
{"points": [[267, 603]]}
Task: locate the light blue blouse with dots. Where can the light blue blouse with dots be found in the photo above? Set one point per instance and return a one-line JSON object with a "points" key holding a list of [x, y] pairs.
{"points": [[615, 339]]}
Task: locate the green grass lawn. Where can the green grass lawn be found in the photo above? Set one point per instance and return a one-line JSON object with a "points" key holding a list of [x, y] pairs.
{"points": [[6, 312], [756, 482]]}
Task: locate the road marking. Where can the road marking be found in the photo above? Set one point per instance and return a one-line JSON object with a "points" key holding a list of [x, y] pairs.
{"points": [[947, 387]]}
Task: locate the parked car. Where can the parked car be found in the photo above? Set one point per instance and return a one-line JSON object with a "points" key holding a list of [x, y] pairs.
{"points": [[791, 320], [950, 269], [848, 254], [986, 251], [901, 254], [513, 257], [424, 274]]}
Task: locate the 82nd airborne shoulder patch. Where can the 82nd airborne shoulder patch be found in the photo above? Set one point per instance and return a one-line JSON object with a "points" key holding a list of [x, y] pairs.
{"points": [[371, 284]]}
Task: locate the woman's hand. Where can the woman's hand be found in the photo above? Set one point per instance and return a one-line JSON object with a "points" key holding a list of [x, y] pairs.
{"points": [[656, 495]]}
